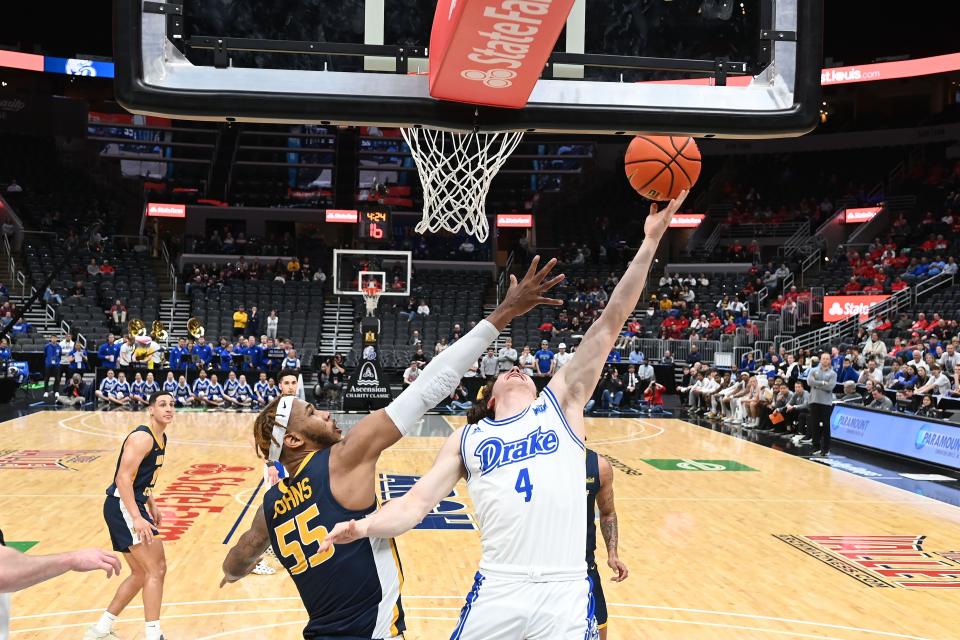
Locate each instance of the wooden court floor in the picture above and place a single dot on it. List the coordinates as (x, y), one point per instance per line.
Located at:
(723, 538)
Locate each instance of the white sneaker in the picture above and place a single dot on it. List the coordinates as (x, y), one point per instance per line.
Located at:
(263, 569)
(56, 394)
(93, 634)
(270, 552)
(46, 394)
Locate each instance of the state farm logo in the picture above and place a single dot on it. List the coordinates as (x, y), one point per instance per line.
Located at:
(494, 78)
(842, 307)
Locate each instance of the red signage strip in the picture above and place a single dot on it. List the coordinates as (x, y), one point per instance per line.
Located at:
(492, 52)
(17, 60)
(159, 210)
(836, 308)
(686, 220)
(519, 220)
(861, 214)
(345, 216)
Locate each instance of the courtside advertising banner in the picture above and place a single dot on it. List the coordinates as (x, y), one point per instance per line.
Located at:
(933, 442)
(492, 52)
(836, 308)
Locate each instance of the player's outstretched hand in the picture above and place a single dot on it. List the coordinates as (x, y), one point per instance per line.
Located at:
(343, 533)
(657, 222)
(93, 559)
(529, 292)
(620, 569)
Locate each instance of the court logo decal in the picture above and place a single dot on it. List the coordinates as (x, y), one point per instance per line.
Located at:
(627, 469)
(684, 464)
(199, 489)
(450, 514)
(22, 545)
(48, 460)
(883, 561)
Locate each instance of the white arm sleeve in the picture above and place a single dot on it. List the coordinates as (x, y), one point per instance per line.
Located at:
(440, 377)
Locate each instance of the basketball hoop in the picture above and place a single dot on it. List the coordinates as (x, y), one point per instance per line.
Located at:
(371, 296)
(456, 170)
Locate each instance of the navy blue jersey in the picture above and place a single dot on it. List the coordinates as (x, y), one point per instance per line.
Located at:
(352, 589)
(593, 488)
(147, 472)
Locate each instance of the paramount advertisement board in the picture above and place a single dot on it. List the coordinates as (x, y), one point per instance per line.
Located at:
(930, 441)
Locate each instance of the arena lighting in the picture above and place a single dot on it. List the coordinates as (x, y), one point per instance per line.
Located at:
(860, 214)
(160, 210)
(343, 216)
(515, 220)
(686, 220)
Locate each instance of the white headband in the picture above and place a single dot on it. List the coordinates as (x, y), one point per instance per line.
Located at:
(284, 407)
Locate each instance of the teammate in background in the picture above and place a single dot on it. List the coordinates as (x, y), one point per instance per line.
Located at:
(132, 517)
(183, 395)
(600, 494)
(170, 384)
(354, 590)
(289, 382)
(106, 387)
(19, 571)
(522, 454)
(120, 395)
(260, 390)
(214, 397)
(137, 396)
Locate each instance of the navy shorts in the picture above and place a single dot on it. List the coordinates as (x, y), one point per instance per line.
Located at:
(120, 523)
(599, 602)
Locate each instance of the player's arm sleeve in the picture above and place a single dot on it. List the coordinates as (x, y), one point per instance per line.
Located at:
(244, 555)
(404, 513)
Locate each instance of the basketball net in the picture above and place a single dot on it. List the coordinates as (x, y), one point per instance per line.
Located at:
(456, 170)
(371, 296)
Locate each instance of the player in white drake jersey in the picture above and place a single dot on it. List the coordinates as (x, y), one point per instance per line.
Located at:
(523, 459)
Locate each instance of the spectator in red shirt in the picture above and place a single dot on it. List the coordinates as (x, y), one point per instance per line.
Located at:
(920, 324)
(852, 286)
(106, 268)
(873, 288)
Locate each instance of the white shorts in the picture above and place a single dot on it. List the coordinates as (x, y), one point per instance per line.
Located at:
(510, 609)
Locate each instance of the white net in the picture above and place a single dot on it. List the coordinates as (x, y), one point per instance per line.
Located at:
(456, 170)
(370, 299)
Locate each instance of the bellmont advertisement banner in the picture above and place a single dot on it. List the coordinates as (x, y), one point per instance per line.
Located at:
(934, 442)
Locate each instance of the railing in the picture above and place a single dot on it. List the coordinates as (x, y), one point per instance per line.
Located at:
(172, 275)
(926, 286)
(503, 282)
(771, 326)
(49, 315)
(714, 238)
(812, 260)
(816, 300)
(762, 296)
(798, 241)
(654, 349)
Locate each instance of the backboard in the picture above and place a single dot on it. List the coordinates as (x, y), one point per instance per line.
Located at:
(354, 270)
(698, 67)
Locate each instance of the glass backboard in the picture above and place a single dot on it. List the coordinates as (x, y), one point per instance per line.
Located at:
(354, 270)
(700, 67)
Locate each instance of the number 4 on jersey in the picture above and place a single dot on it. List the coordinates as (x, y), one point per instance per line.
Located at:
(524, 485)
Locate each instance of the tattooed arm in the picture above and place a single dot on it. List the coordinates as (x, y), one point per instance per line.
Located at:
(608, 520)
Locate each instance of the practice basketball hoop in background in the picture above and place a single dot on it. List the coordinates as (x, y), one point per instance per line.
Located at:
(660, 167)
(456, 170)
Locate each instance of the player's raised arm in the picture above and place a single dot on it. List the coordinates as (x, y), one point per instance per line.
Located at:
(243, 557)
(575, 382)
(383, 428)
(404, 513)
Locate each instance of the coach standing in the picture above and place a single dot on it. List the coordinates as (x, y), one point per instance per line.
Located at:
(822, 380)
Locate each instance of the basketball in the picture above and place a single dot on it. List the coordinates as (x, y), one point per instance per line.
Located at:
(660, 167)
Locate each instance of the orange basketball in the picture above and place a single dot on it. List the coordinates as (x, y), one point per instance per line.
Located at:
(660, 167)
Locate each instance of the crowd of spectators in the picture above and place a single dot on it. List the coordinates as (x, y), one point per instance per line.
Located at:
(213, 276)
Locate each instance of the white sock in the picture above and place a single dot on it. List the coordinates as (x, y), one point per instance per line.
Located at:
(152, 630)
(105, 623)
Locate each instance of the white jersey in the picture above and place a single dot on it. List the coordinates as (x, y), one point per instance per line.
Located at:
(4, 615)
(526, 475)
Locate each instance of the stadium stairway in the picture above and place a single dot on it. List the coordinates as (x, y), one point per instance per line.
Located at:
(336, 334)
(180, 313)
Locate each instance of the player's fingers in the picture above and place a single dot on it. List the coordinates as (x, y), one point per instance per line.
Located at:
(114, 562)
(552, 282)
(654, 208)
(542, 273)
(513, 281)
(554, 302)
(533, 266)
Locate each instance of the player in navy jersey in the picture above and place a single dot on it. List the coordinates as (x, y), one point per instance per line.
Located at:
(600, 495)
(132, 517)
(353, 590)
(522, 454)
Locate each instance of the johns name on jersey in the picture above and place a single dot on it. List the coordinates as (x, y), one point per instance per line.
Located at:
(494, 452)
